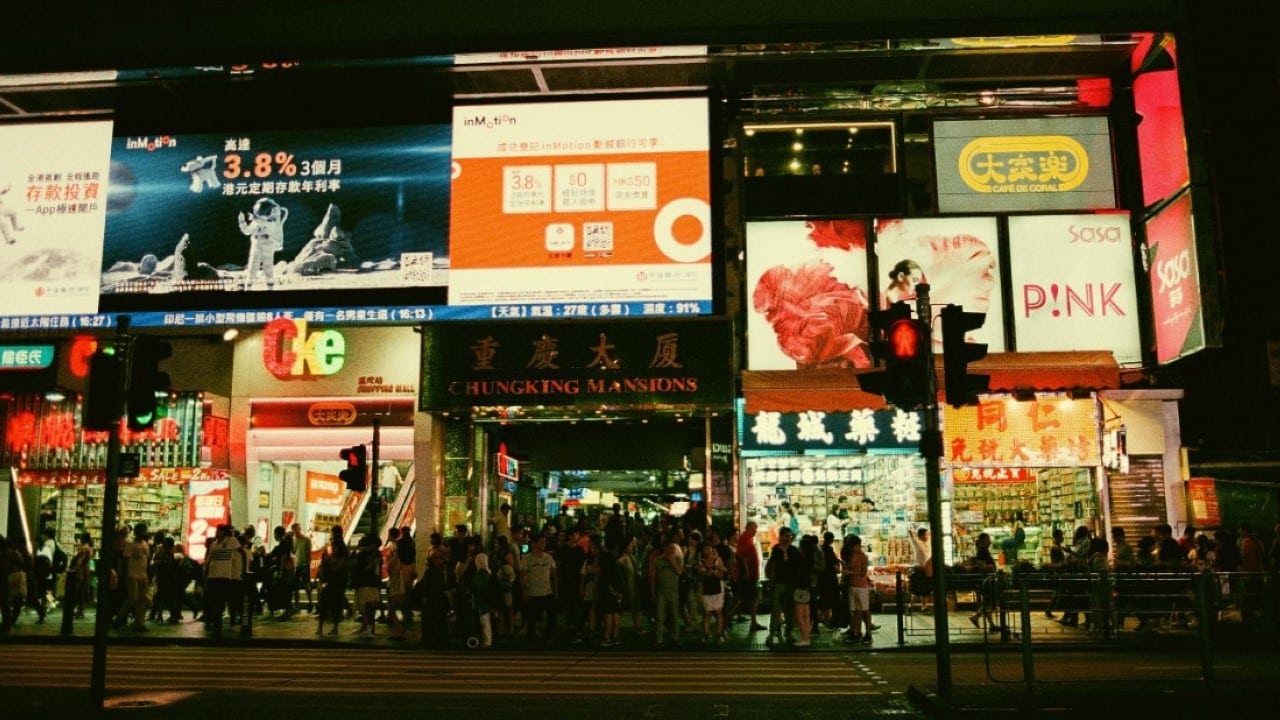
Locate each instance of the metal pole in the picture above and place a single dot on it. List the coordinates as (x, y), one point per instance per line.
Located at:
(931, 449)
(1024, 608)
(374, 500)
(1204, 592)
(106, 548)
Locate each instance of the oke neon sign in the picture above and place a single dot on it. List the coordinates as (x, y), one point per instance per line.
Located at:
(289, 352)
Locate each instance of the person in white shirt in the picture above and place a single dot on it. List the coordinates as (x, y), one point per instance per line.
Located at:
(835, 523)
(921, 550)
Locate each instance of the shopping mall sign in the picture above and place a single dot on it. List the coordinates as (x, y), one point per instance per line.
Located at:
(291, 353)
(1047, 431)
(617, 363)
(817, 430)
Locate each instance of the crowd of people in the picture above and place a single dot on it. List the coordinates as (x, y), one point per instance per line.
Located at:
(1238, 560)
(672, 580)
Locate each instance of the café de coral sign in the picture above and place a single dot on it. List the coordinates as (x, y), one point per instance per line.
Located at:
(999, 431)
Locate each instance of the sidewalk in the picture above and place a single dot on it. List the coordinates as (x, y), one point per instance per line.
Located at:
(917, 634)
(1098, 700)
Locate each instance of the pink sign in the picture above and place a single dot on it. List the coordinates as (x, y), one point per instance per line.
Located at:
(1175, 282)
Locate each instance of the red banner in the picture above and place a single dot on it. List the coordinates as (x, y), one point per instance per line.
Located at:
(208, 506)
(1204, 502)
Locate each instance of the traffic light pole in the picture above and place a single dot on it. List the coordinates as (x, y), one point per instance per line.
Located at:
(373, 480)
(931, 449)
(106, 547)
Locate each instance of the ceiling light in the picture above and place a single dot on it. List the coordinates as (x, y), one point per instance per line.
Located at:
(230, 334)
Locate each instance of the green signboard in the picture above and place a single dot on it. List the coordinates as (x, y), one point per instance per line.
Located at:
(586, 364)
(25, 357)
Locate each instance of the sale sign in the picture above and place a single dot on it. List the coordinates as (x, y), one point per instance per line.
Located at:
(618, 189)
(208, 506)
(1073, 284)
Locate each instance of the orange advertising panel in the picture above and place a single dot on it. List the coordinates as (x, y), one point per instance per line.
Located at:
(1204, 502)
(323, 488)
(1006, 432)
(541, 192)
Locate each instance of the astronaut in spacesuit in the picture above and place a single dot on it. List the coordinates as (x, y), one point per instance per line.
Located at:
(8, 219)
(265, 227)
(201, 170)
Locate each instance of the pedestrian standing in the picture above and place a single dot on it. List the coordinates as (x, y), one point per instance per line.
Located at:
(666, 567)
(333, 582)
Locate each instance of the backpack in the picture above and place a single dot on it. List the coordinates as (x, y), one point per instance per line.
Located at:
(59, 561)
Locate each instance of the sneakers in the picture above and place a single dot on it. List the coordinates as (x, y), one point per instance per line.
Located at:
(866, 639)
(804, 643)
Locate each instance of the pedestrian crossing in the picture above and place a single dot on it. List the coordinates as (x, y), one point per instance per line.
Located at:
(322, 671)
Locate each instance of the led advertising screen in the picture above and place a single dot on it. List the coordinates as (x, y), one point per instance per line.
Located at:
(807, 294)
(582, 208)
(1052, 163)
(53, 203)
(277, 211)
(1073, 284)
(957, 257)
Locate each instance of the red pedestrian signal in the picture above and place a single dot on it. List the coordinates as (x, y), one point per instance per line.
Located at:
(902, 343)
(905, 340)
(356, 473)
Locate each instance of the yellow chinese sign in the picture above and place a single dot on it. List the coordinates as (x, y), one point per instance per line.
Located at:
(1005, 432)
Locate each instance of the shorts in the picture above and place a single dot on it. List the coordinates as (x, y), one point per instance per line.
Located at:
(366, 596)
(713, 602)
(859, 599)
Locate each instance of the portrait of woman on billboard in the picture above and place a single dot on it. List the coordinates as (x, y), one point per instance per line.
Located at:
(958, 259)
(807, 282)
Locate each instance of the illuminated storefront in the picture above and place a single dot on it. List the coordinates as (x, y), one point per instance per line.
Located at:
(300, 393)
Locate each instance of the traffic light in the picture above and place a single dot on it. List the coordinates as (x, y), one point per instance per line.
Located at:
(902, 342)
(106, 383)
(356, 473)
(961, 387)
(145, 380)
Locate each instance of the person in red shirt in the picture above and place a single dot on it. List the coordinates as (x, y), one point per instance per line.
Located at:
(746, 575)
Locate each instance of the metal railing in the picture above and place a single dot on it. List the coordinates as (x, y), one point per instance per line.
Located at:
(1175, 609)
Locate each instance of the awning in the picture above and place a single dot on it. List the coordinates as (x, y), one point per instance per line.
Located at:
(834, 389)
(1074, 369)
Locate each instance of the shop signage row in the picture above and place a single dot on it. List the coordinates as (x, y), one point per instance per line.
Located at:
(1006, 432)
(816, 430)
(146, 476)
(578, 364)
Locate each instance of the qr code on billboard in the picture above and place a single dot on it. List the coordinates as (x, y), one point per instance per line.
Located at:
(417, 268)
(597, 237)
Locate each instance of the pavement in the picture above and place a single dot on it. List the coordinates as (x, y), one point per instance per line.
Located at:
(912, 631)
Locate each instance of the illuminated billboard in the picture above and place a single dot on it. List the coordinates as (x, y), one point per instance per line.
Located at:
(807, 294)
(571, 208)
(1177, 310)
(957, 257)
(1050, 163)
(1073, 284)
(275, 211)
(53, 202)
